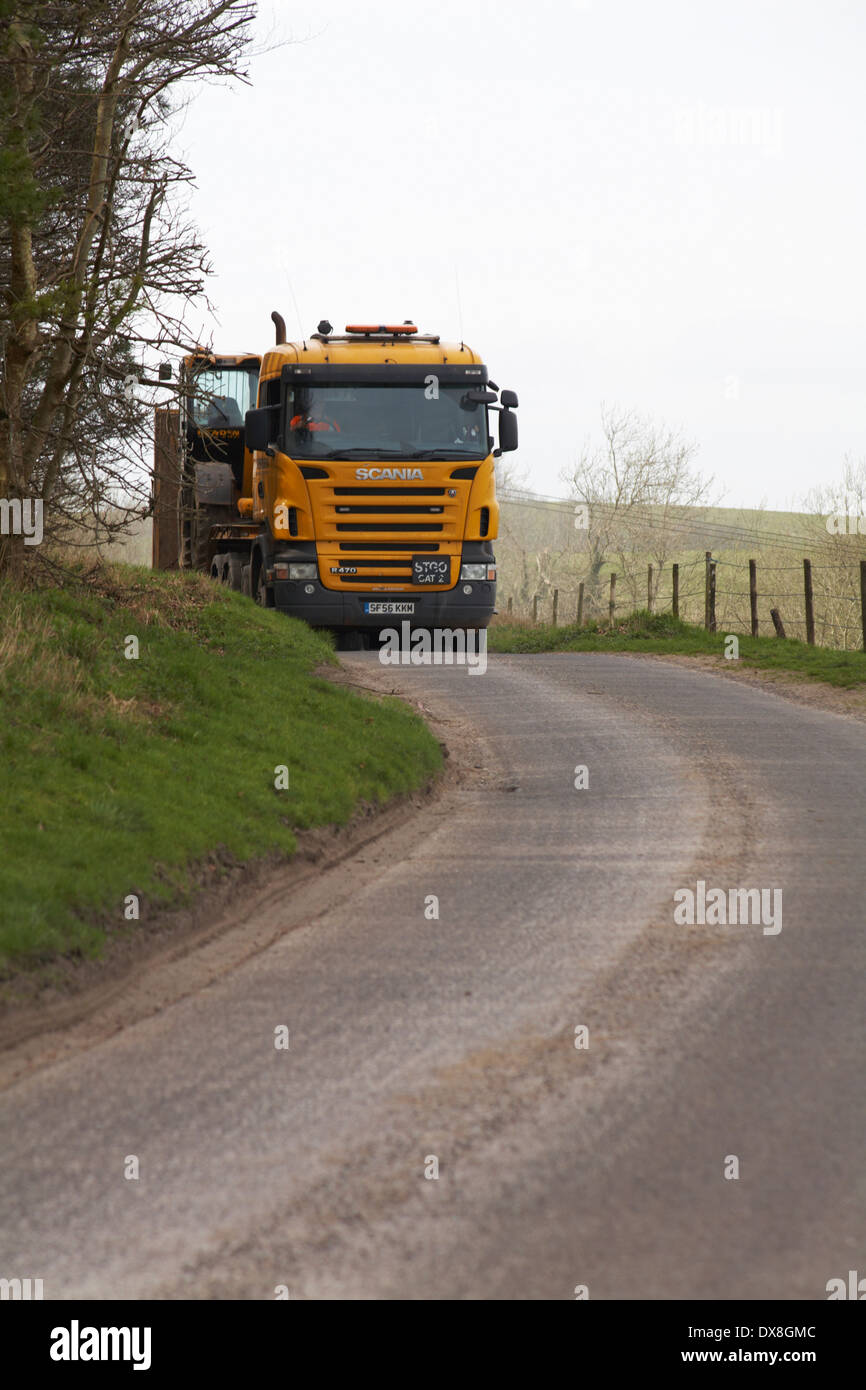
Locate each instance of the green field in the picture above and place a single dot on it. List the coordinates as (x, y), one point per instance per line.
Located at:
(662, 633)
(120, 775)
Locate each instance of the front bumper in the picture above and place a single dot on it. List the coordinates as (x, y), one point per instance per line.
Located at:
(444, 608)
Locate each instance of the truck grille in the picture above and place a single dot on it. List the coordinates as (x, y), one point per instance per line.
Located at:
(376, 528)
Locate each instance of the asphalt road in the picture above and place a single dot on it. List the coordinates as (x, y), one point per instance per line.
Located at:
(412, 1036)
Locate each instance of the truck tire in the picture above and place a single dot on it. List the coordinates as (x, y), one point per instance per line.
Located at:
(235, 571)
(264, 595)
(216, 568)
(194, 527)
(246, 585)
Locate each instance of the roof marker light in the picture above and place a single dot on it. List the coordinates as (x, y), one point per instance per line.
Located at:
(389, 328)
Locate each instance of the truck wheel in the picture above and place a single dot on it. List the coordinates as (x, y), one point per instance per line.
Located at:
(216, 568)
(235, 572)
(195, 522)
(246, 586)
(263, 595)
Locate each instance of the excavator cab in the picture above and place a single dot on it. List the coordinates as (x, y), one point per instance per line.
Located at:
(219, 392)
(216, 393)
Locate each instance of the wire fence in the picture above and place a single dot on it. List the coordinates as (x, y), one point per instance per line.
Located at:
(817, 611)
(564, 560)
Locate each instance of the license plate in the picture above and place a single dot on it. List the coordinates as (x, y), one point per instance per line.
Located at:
(389, 609)
(431, 569)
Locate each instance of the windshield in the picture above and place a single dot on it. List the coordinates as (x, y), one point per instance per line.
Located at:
(385, 421)
(223, 395)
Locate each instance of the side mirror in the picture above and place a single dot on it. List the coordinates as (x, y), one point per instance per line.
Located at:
(509, 400)
(165, 371)
(507, 430)
(477, 396)
(260, 428)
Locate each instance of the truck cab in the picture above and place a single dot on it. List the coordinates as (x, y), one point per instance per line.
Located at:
(372, 478)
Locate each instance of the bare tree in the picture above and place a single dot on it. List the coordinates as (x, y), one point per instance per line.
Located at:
(843, 502)
(638, 490)
(96, 252)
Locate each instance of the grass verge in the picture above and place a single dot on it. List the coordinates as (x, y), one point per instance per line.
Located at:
(662, 633)
(120, 773)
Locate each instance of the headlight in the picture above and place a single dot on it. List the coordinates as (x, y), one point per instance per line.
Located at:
(474, 571)
(302, 571)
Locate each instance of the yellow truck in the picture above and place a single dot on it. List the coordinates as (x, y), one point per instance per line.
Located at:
(368, 483)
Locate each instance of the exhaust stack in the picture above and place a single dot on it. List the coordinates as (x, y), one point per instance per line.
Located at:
(280, 324)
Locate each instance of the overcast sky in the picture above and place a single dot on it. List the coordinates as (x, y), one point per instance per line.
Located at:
(660, 205)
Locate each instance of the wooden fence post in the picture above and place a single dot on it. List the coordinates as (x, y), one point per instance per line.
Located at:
(555, 605)
(863, 600)
(753, 595)
(708, 560)
(535, 608)
(675, 593)
(777, 622)
(510, 603)
(649, 588)
(711, 597)
(580, 604)
(612, 604)
(810, 610)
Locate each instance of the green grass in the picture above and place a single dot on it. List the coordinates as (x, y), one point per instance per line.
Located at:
(120, 775)
(661, 632)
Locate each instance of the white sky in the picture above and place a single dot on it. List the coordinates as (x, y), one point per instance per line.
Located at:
(659, 204)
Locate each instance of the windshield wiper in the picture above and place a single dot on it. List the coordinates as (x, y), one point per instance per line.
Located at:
(367, 451)
(407, 454)
(457, 455)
